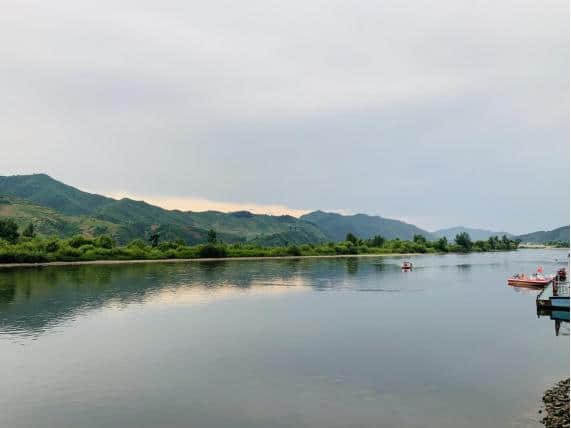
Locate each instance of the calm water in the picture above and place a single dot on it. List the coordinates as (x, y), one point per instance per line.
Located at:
(290, 343)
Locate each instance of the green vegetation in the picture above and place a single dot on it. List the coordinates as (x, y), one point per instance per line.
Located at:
(463, 241)
(56, 209)
(557, 244)
(336, 226)
(154, 240)
(475, 234)
(29, 231)
(9, 231)
(41, 189)
(42, 208)
(20, 248)
(561, 234)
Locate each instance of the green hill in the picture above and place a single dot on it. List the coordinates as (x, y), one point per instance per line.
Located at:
(336, 226)
(49, 222)
(41, 189)
(58, 209)
(294, 236)
(540, 237)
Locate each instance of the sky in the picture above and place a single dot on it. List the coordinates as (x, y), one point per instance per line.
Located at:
(437, 113)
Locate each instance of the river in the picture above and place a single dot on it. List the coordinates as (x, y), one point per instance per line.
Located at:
(347, 342)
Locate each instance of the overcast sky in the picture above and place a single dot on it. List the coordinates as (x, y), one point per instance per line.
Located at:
(440, 113)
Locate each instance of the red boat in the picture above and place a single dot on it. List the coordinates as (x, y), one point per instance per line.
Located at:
(527, 280)
(406, 265)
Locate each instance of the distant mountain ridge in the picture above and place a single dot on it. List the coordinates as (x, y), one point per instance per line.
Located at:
(58, 209)
(62, 210)
(540, 237)
(336, 226)
(475, 234)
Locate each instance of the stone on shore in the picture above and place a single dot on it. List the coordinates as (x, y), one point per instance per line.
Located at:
(556, 401)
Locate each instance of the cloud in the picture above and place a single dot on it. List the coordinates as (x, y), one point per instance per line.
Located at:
(405, 109)
(201, 204)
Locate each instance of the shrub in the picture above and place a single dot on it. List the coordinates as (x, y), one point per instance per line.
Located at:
(52, 245)
(29, 231)
(340, 249)
(79, 240)
(85, 248)
(441, 244)
(351, 238)
(186, 253)
(294, 250)
(165, 246)
(104, 242)
(352, 249)
(67, 254)
(209, 251)
(136, 252)
(463, 240)
(9, 230)
(22, 256)
(137, 243)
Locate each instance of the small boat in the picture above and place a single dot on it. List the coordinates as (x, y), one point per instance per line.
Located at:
(536, 280)
(406, 265)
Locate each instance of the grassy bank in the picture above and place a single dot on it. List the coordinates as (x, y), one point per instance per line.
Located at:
(27, 249)
(197, 260)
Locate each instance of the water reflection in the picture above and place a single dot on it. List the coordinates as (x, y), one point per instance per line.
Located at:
(33, 300)
(352, 264)
(560, 320)
(559, 317)
(527, 290)
(326, 343)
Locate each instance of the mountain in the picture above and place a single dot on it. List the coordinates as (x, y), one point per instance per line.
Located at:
(58, 209)
(292, 237)
(475, 234)
(41, 189)
(49, 222)
(336, 226)
(540, 237)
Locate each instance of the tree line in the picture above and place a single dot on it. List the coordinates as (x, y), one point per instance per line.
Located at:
(26, 247)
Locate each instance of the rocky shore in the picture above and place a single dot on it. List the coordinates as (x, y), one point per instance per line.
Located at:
(556, 402)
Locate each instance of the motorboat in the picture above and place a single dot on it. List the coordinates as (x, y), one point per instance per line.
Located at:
(536, 280)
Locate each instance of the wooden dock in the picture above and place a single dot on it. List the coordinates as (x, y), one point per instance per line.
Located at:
(554, 296)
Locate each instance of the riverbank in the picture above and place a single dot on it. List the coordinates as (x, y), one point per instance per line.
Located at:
(41, 251)
(540, 247)
(556, 402)
(209, 259)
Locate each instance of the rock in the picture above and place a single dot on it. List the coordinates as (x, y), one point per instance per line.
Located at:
(556, 409)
